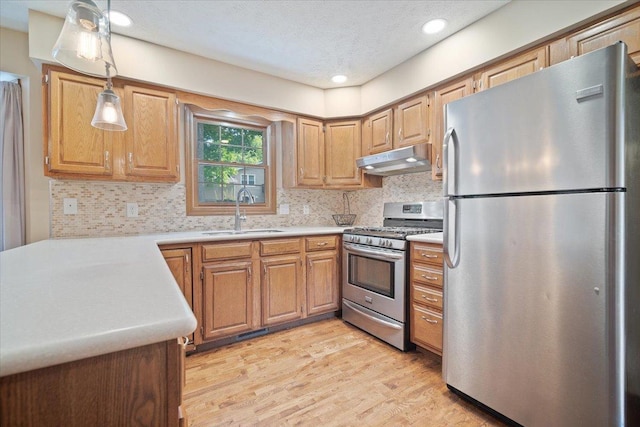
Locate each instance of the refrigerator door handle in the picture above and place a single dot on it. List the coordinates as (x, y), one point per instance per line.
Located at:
(452, 261)
(450, 175)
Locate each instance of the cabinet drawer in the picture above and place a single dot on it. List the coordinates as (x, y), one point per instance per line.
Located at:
(233, 250)
(427, 327)
(427, 296)
(426, 252)
(279, 246)
(424, 274)
(321, 243)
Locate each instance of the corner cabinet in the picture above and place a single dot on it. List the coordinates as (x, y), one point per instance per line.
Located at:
(377, 133)
(178, 260)
(323, 274)
(323, 155)
(147, 151)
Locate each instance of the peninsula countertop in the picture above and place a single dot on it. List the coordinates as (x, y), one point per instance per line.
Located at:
(70, 299)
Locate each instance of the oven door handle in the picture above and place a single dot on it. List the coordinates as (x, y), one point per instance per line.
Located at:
(384, 256)
(368, 316)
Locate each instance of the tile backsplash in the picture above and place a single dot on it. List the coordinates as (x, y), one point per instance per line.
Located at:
(162, 207)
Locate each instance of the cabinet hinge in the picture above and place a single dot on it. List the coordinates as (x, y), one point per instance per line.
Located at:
(178, 168)
(186, 258)
(45, 79)
(202, 331)
(46, 160)
(428, 101)
(202, 275)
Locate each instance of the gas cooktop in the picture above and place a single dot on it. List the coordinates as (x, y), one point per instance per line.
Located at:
(390, 232)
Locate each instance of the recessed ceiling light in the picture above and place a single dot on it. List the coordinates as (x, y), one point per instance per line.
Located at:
(434, 26)
(119, 19)
(339, 78)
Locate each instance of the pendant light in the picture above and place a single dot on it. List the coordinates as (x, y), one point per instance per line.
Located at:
(108, 115)
(84, 44)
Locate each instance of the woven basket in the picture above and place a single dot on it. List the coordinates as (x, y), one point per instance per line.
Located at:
(343, 220)
(346, 218)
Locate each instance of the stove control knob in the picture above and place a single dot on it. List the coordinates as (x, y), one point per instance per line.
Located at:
(388, 243)
(356, 239)
(369, 240)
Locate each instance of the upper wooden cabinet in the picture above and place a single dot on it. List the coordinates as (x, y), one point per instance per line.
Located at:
(513, 68)
(310, 152)
(73, 149)
(73, 145)
(443, 96)
(377, 132)
(342, 148)
(324, 156)
(150, 141)
(412, 122)
(623, 27)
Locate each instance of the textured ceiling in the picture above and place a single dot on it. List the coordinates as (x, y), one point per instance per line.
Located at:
(303, 41)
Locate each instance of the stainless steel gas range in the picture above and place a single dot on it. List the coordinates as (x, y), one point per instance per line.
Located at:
(375, 270)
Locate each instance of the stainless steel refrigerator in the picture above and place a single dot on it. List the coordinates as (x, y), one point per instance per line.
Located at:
(542, 244)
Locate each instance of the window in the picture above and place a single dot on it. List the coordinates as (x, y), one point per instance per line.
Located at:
(228, 153)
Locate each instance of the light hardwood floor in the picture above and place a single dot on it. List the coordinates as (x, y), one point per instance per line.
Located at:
(322, 374)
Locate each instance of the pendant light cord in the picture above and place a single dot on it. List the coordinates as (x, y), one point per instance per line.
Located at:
(106, 64)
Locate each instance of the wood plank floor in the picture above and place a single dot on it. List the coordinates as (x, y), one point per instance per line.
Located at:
(322, 374)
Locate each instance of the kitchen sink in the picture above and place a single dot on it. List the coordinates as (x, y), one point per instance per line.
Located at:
(232, 232)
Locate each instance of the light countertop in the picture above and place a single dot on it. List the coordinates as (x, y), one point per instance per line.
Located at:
(426, 238)
(70, 299)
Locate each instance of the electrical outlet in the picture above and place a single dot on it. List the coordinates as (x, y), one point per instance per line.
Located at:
(305, 209)
(70, 206)
(132, 210)
(284, 209)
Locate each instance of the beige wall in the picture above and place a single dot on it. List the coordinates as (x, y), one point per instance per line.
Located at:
(14, 58)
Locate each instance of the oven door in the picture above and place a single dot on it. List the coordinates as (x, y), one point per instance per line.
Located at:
(375, 278)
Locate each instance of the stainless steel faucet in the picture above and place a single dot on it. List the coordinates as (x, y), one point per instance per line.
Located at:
(237, 226)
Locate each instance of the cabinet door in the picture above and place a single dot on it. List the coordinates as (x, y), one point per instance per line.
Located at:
(322, 282)
(514, 68)
(151, 142)
(281, 289)
(379, 133)
(624, 27)
(74, 146)
(227, 299)
(443, 96)
(342, 143)
(310, 152)
(412, 125)
(179, 262)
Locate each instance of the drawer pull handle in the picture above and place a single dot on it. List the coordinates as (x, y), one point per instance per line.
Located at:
(430, 299)
(429, 320)
(424, 276)
(428, 255)
(322, 244)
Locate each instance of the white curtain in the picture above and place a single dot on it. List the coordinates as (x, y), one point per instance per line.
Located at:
(12, 209)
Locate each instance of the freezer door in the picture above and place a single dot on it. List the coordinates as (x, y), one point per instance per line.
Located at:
(530, 326)
(560, 128)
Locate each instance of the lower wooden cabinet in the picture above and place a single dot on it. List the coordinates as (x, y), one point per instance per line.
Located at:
(322, 282)
(227, 299)
(246, 285)
(282, 289)
(426, 317)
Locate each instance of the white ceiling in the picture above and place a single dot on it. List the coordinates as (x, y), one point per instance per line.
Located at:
(304, 41)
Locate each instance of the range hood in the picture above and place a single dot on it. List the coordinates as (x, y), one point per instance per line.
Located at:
(416, 158)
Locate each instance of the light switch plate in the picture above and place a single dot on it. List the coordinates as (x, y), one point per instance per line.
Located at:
(305, 209)
(70, 206)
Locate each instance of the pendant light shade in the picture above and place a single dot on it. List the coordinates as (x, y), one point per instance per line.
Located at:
(84, 44)
(108, 115)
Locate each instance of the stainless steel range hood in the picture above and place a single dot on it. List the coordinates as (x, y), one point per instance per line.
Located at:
(416, 158)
